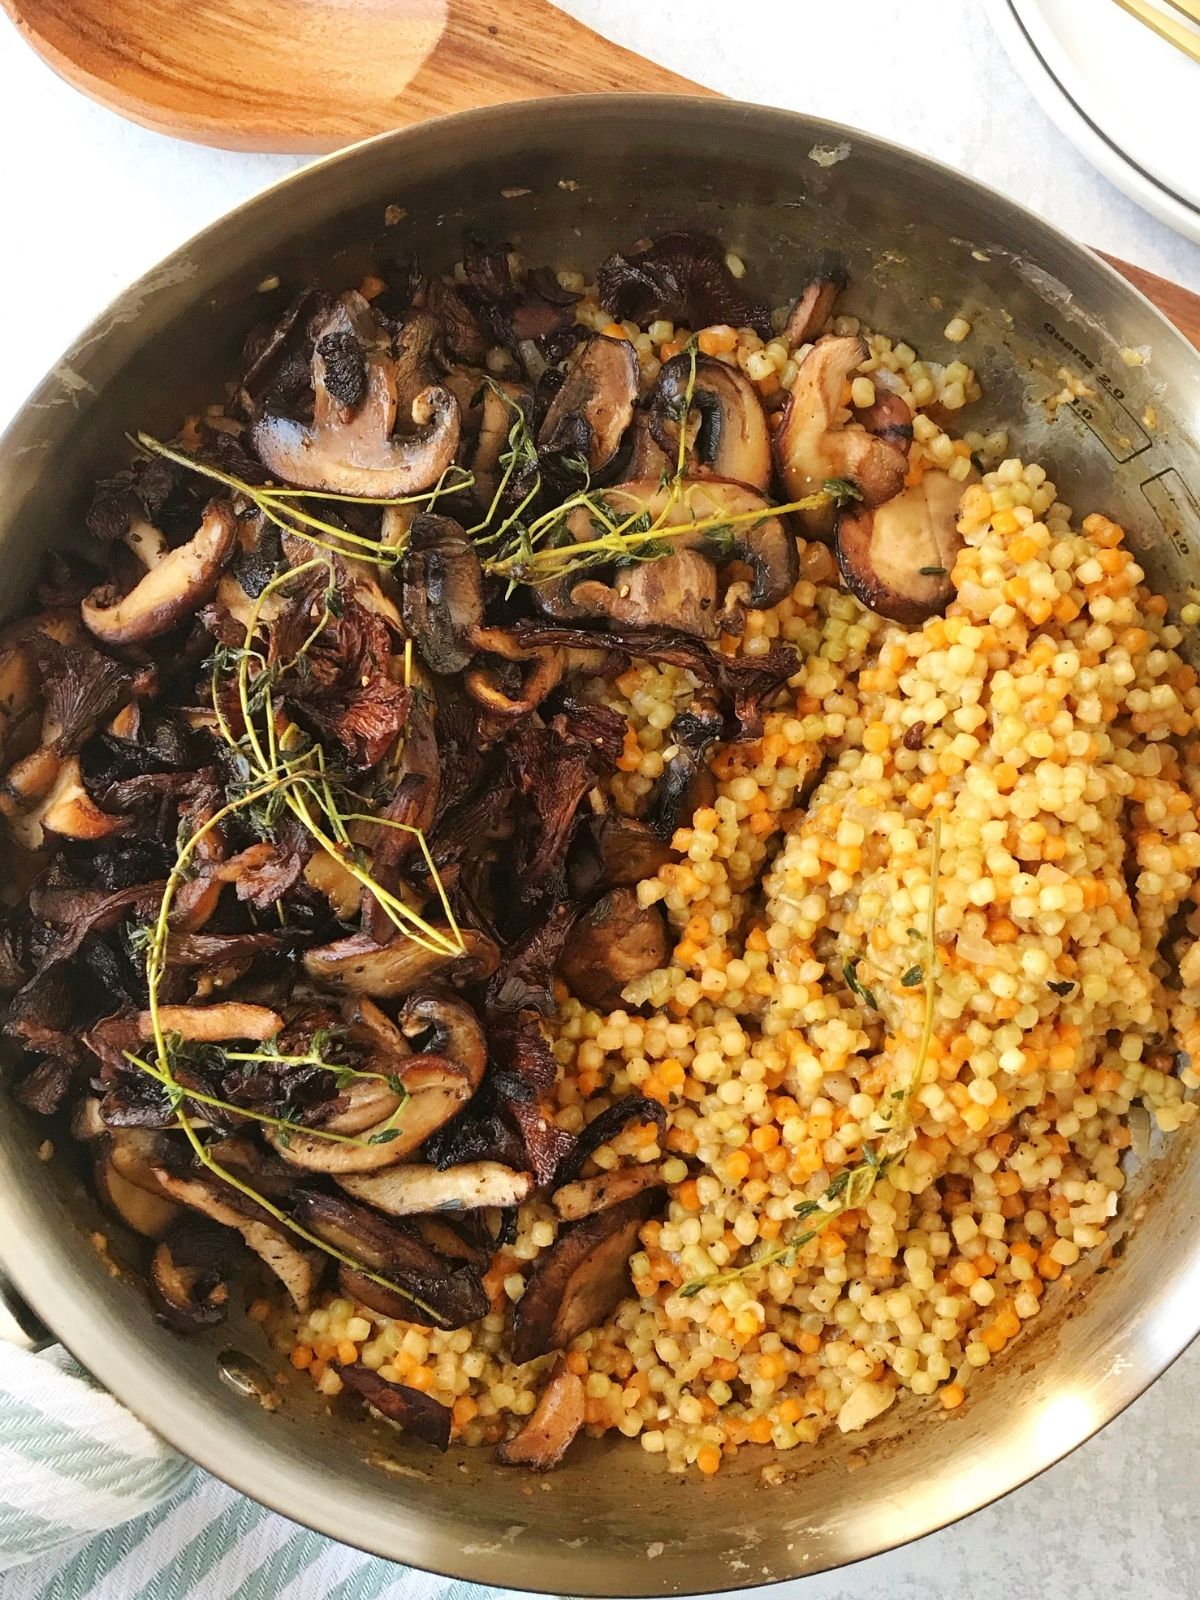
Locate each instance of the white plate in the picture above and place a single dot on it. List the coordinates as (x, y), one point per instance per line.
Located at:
(1124, 97)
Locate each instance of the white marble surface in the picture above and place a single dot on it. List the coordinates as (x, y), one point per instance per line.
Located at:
(90, 201)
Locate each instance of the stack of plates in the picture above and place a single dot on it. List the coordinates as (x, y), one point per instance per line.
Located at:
(1124, 97)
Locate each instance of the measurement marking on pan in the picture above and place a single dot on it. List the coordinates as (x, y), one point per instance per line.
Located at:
(1104, 410)
(1177, 508)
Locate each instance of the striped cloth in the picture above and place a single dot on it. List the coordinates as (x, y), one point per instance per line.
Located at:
(93, 1506)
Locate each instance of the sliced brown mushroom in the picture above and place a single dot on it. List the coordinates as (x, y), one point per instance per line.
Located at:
(437, 1090)
(812, 310)
(727, 428)
(415, 1190)
(614, 942)
(190, 1276)
(448, 1027)
(331, 877)
(231, 1019)
(420, 1286)
(349, 447)
(579, 1279)
(416, 1412)
(443, 592)
(298, 1270)
(590, 413)
(811, 446)
(357, 965)
(898, 557)
(553, 1423)
(173, 589)
(585, 1196)
(147, 1213)
(730, 534)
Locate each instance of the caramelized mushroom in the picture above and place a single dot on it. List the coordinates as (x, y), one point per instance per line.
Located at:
(413, 1191)
(614, 852)
(298, 1270)
(728, 435)
(685, 591)
(148, 1212)
(449, 1028)
(613, 943)
(443, 592)
(590, 413)
(542, 670)
(357, 965)
(812, 446)
(579, 1279)
(415, 1411)
(421, 1286)
(585, 1196)
(65, 808)
(189, 1276)
(812, 310)
(898, 557)
(437, 1090)
(545, 1437)
(349, 448)
(172, 591)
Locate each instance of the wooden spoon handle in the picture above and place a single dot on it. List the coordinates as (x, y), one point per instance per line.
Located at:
(491, 51)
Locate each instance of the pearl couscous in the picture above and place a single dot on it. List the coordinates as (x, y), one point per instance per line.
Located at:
(917, 997)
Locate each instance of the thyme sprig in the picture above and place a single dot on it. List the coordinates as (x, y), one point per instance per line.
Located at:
(278, 504)
(853, 1186)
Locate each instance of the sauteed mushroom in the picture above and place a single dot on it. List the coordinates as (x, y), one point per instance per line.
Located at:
(190, 1276)
(357, 965)
(443, 592)
(174, 588)
(416, 1190)
(349, 447)
(590, 413)
(728, 435)
(558, 1416)
(414, 1410)
(613, 943)
(578, 1281)
(813, 309)
(765, 546)
(812, 447)
(898, 557)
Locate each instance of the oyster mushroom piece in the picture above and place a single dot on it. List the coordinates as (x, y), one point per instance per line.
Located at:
(542, 670)
(729, 433)
(585, 1196)
(553, 1423)
(349, 448)
(357, 965)
(443, 592)
(614, 942)
(414, 1410)
(189, 1276)
(173, 589)
(418, 1190)
(811, 446)
(298, 1270)
(437, 1090)
(812, 309)
(231, 1019)
(421, 1286)
(580, 1279)
(898, 557)
(590, 413)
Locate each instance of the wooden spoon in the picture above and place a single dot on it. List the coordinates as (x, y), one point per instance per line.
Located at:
(313, 75)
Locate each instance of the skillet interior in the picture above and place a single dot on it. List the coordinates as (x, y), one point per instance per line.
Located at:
(570, 180)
